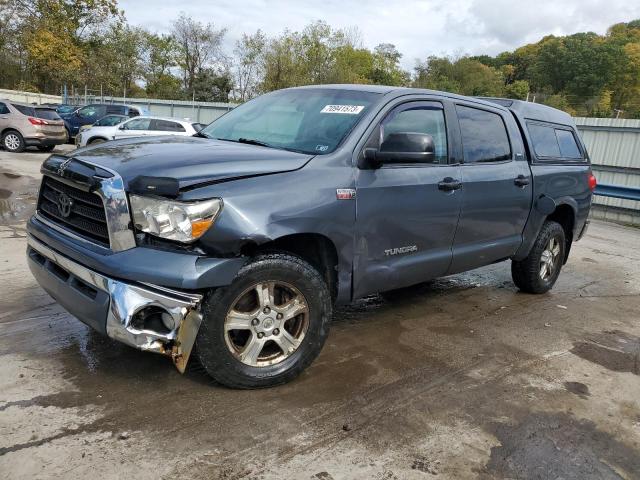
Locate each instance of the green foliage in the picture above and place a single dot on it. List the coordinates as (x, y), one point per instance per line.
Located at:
(45, 44)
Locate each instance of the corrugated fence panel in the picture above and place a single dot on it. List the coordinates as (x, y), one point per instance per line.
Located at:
(614, 148)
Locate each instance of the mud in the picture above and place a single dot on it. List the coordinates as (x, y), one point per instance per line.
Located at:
(461, 378)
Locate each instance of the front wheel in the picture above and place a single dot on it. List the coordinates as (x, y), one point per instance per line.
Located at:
(538, 272)
(267, 326)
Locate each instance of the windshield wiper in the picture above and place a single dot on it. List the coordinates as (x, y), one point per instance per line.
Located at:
(251, 141)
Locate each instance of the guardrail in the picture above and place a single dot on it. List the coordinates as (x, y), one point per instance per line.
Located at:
(618, 191)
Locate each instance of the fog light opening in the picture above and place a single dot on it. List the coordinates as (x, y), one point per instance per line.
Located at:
(155, 319)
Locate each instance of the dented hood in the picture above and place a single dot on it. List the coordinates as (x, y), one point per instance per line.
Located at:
(190, 160)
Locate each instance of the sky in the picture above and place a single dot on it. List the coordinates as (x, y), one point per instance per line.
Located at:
(417, 28)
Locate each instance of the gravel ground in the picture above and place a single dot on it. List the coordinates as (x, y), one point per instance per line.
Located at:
(463, 377)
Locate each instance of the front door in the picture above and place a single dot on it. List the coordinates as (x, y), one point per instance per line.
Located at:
(138, 127)
(406, 213)
(496, 193)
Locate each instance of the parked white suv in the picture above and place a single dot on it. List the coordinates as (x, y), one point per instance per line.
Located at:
(135, 127)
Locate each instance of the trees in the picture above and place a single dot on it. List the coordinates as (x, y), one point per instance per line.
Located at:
(199, 47)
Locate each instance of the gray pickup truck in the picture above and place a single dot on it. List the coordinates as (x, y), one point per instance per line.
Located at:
(236, 243)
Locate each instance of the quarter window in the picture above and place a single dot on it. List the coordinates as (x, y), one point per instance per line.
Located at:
(484, 135)
(568, 146)
(3, 109)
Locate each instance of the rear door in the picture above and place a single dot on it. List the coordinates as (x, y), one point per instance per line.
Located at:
(406, 216)
(166, 127)
(497, 190)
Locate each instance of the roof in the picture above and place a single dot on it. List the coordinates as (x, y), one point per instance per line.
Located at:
(533, 111)
(398, 91)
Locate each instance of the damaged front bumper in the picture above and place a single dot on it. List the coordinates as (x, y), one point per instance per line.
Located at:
(144, 316)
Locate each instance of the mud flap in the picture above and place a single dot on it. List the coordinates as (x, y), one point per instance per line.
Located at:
(186, 338)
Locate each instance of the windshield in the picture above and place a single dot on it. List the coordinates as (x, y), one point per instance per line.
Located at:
(110, 121)
(305, 120)
(67, 108)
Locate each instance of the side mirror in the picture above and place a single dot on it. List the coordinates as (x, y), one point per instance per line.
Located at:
(404, 147)
(121, 127)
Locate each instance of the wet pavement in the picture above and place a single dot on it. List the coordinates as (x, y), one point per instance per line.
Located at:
(463, 377)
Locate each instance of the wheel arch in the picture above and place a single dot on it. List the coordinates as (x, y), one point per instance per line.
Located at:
(565, 214)
(317, 249)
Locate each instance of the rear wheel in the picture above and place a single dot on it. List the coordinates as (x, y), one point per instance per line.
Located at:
(267, 326)
(46, 148)
(538, 272)
(12, 141)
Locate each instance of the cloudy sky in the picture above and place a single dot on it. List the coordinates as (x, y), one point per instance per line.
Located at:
(417, 28)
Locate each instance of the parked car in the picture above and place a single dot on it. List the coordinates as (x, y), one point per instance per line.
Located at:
(135, 127)
(241, 239)
(23, 125)
(90, 114)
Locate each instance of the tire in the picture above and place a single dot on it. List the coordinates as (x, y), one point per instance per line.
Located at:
(223, 351)
(96, 141)
(13, 142)
(538, 272)
(46, 148)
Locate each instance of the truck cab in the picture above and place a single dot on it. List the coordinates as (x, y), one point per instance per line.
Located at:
(240, 239)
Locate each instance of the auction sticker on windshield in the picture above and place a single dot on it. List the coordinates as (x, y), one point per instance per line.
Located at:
(348, 109)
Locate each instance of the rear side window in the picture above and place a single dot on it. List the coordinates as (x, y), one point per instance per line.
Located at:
(568, 146)
(553, 143)
(29, 111)
(167, 126)
(4, 109)
(484, 135)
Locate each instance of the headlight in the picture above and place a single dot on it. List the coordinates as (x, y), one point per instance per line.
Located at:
(179, 221)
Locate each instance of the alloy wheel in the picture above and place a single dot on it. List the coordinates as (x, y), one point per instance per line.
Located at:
(12, 141)
(549, 259)
(266, 323)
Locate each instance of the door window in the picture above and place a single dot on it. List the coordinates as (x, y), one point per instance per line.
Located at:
(167, 126)
(417, 117)
(484, 135)
(138, 124)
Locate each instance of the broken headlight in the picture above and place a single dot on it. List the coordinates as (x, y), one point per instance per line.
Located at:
(180, 221)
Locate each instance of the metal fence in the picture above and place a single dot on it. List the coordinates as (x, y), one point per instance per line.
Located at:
(614, 147)
(202, 112)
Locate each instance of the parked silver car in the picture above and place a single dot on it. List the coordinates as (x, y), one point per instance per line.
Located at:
(135, 127)
(23, 125)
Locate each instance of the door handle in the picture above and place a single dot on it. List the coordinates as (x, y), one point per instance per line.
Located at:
(521, 181)
(449, 184)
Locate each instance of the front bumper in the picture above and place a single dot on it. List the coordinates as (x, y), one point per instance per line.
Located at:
(117, 308)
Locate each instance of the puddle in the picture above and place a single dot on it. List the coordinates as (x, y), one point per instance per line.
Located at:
(18, 195)
(4, 193)
(560, 446)
(614, 350)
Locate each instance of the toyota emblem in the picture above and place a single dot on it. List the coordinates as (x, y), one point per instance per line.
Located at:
(64, 205)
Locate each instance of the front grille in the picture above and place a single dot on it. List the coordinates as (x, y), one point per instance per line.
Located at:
(86, 215)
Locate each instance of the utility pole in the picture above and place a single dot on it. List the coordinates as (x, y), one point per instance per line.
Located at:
(85, 94)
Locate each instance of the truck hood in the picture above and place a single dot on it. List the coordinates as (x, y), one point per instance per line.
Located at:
(190, 160)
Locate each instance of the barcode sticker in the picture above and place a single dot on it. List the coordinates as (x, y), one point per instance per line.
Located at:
(348, 109)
